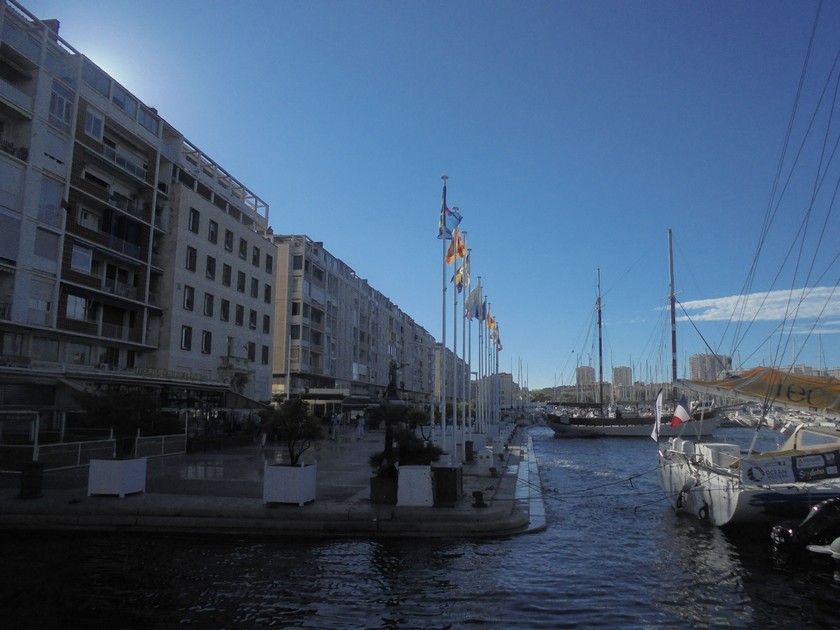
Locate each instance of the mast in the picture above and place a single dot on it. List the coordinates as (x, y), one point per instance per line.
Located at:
(600, 351)
(673, 302)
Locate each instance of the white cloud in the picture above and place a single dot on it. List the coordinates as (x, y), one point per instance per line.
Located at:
(817, 303)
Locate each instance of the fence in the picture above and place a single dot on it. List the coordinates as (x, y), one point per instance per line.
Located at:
(74, 454)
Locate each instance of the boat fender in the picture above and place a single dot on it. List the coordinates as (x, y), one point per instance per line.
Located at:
(703, 512)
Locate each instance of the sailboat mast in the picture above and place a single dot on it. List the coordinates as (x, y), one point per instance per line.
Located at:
(673, 301)
(600, 351)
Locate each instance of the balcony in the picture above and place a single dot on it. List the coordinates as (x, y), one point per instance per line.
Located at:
(125, 162)
(121, 289)
(10, 147)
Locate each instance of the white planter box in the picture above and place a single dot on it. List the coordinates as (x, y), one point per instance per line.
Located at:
(117, 476)
(415, 486)
(289, 484)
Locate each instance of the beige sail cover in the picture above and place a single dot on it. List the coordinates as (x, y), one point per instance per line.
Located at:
(777, 387)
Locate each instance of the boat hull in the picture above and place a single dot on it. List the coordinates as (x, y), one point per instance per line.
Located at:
(628, 427)
(711, 482)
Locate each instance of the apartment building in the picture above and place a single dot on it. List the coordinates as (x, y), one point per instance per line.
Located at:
(336, 336)
(128, 257)
(708, 367)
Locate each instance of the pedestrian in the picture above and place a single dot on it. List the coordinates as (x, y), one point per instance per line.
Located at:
(360, 426)
(335, 421)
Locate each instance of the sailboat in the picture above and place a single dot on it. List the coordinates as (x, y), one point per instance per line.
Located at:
(728, 485)
(704, 420)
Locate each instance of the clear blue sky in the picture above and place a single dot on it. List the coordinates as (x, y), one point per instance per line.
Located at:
(574, 134)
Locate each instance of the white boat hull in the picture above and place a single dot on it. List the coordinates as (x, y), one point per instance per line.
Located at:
(712, 482)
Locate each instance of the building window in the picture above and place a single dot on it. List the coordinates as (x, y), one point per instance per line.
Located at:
(240, 281)
(208, 304)
(124, 101)
(265, 355)
(186, 337)
(192, 256)
(252, 319)
(148, 119)
(269, 263)
(81, 259)
(94, 123)
(192, 224)
(240, 315)
(294, 331)
(76, 308)
(243, 249)
(295, 309)
(61, 106)
(228, 241)
(224, 311)
(189, 297)
(226, 274)
(255, 256)
(212, 231)
(267, 294)
(297, 262)
(206, 342)
(255, 288)
(211, 267)
(252, 351)
(267, 324)
(97, 79)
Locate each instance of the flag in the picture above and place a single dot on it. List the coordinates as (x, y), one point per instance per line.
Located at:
(491, 323)
(681, 414)
(498, 338)
(448, 218)
(655, 433)
(472, 305)
(456, 247)
(461, 279)
(482, 313)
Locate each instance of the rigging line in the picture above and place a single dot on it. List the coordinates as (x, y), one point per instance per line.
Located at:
(770, 212)
(612, 483)
(819, 179)
(739, 335)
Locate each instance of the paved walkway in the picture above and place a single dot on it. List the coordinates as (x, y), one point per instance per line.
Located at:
(221, 492)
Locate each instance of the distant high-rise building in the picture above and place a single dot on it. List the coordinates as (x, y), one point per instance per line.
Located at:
(708, 367)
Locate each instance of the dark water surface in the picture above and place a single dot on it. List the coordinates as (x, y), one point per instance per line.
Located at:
(613, 555)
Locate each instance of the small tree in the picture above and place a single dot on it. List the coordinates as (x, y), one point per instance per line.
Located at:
(410, 449)
(291, 423)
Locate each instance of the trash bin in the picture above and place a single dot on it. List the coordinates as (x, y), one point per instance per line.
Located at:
(448, 484)
(31, 475)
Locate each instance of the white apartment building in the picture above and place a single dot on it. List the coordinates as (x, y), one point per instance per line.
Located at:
(128, 257)
(335, 336)
(708, 367)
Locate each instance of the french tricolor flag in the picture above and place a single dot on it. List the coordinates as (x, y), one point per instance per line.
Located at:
(681, 414)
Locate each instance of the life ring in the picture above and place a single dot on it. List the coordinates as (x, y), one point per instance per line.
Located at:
(703, 512)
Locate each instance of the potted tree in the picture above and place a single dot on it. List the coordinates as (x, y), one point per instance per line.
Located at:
(291, 481)
(127, 411)
(403, 467)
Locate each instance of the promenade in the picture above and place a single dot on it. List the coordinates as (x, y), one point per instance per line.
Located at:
(220, 492)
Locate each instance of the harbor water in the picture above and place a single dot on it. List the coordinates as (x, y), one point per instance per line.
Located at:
(613, 555)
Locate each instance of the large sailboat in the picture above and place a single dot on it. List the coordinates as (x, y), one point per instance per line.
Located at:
(732, 484)
(703, 419)
(721, 483)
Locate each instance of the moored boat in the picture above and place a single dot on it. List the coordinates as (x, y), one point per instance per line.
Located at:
(721, 484)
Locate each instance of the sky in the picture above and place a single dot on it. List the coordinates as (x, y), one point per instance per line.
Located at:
(574, 136)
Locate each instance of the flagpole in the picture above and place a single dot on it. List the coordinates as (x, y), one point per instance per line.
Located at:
(442, 402)
(454, 350)
(465, 335)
